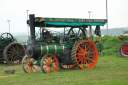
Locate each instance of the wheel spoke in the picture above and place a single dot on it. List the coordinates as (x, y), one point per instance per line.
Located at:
(31, 69)
(79, 54)
(20, 50)
(91, 56)
(53, 60)
(13, 48)
(26, 60)
(50, 57)
(89, 50)
(81, 37)
(79, 31)
(85, 47)
(72, 38)
(8, 57)
(88, 46)
(73, 32)
(45, 68)
(31, 59)
(91, 59)
(83, 64)
(44, 64)
(11, 60)
(80, 59)
(28, 70)
(9, 51)
(87, 64)
(54, 67)
(47, 59)
(48, 71)
(80, 48)
(51, 69)
(92, 52)
(26, 67)
(25, 63)
(36, 68)
(54, 63)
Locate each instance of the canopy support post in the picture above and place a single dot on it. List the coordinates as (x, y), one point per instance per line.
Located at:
(90, 33)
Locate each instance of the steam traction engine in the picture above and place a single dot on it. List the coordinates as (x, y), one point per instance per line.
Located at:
(67, 50)
(10, 51)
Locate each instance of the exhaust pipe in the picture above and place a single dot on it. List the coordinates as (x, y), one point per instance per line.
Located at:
(32, 27)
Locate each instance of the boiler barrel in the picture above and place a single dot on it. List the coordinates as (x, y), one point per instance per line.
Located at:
(51, 48)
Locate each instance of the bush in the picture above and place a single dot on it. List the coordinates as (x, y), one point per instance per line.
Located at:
(111, 45)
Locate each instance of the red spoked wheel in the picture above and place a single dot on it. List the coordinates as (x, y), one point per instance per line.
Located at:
(29, 65)
(67, 66)
(84, 54)
(49, 63)
(14, 53)
(123, 49)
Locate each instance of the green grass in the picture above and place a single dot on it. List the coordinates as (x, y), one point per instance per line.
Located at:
(110, 70)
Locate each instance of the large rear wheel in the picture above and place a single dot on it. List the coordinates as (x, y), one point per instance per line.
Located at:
(84, 54)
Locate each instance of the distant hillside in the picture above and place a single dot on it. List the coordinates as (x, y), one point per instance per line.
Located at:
(112, 32)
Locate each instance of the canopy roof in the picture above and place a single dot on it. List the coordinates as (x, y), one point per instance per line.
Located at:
(67, 22)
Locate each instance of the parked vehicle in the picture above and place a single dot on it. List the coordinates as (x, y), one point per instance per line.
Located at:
(69, 49)
(10, 51)
(123, 48)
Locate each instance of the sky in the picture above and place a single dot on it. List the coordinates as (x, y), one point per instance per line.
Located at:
(15, 11)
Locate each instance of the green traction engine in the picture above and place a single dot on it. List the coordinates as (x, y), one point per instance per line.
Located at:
(70, 49)
(10, 51)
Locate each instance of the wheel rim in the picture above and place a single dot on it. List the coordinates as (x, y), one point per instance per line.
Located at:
(125, 49)
(15, 53)
(49, 64)
(74, 35)
(86, 54)
(29, 65)
(67, 66)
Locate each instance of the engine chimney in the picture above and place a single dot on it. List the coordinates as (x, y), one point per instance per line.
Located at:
(32, 27)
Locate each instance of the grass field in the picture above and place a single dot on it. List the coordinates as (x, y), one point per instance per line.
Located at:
(110, 70)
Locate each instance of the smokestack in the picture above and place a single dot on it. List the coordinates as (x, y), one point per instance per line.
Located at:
(32, 27)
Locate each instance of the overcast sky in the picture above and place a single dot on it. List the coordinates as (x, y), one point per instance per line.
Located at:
(15, 11)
